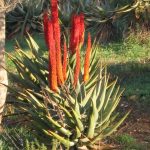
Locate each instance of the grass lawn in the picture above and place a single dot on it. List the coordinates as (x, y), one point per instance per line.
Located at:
(130, 61)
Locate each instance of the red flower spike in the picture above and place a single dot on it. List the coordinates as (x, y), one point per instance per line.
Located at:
(77, 67)
(45, 23)
(72, 33)
(52, 58)
(54, 10)
(82, 29)
(75, 32)
(65, 62)
(87, 59)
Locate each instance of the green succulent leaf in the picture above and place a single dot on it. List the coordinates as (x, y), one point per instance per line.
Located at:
(66, 142)
(93, 118)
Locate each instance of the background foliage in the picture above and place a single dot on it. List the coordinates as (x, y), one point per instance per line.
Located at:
(107, 19)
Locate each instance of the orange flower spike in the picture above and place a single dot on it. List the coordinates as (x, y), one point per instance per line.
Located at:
(58, 58)
(87, 59)
(55, 19)
(77, 67)
(65, 62)
(52, 59)
(45, 24)
(56, 28)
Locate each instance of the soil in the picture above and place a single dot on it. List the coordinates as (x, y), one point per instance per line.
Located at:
(137, 124)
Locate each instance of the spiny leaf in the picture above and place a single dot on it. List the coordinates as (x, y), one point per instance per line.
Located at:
(111, 130)
(93, 118)
(66, 142)
(58, 127)
(78, 120)
(110, 89)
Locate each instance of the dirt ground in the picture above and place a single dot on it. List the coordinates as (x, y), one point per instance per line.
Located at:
(137, 124)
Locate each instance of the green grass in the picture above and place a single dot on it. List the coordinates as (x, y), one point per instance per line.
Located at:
(10, 44)
(10, 47)
(130, 61)
(125, 139)
(134, 77)
(132, 49)
(16, 138)
(127, 142)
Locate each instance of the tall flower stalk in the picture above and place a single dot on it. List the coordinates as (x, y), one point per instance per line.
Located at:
(54, 53)
(54, 44)
(65, 62)
(76, 42)
(87, 59)
(77, 68)
(52, 58)
(45, 23)
(82, 28)
(56, 33)
(75, 32)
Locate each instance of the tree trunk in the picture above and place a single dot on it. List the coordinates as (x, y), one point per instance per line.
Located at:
(3, 73)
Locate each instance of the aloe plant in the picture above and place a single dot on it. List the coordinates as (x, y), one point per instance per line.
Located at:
(71, 106)
(74, 117)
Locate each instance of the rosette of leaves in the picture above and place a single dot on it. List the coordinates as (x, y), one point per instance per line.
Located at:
(72, 117)
(26, 17)
(107, 18)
